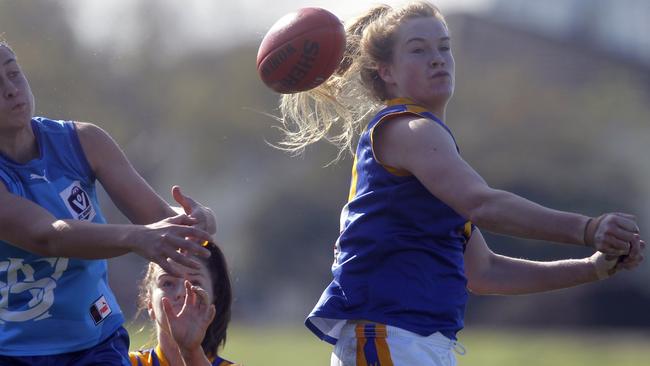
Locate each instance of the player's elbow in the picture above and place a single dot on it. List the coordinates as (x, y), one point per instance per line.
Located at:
(483, 284)
(479, 287)
(477, 282)
(483, 274)
(481, 207)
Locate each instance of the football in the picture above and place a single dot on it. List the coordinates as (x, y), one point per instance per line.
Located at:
(301, 50)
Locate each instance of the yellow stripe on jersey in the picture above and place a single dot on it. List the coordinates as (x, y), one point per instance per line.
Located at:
(133, 357)
(468, 230)
(411, 106)
(149, 357)
(161, 356)
(157, 358)
(353, 183)
(144, 357)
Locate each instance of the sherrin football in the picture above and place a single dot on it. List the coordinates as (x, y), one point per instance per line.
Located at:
(301, 50)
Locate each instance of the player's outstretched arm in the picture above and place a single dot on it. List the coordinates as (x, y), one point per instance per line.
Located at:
(427, 151)
(28, 226)
(490, 273)
(127, 189)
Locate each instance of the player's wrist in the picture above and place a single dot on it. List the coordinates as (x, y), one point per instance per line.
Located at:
(130, 237)
(589, 231)
(604, 265)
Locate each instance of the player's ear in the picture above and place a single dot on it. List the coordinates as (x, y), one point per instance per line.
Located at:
(152, 314)
(385, 73)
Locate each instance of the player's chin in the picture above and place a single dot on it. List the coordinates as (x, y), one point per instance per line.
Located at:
(442, 88)
(438, 96)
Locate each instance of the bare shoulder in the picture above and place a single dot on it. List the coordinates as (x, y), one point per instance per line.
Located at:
(91, 133)
(398, 140)
(411, 128)
(97, 144)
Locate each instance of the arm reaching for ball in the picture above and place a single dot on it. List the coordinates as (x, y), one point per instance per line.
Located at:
(489, 273)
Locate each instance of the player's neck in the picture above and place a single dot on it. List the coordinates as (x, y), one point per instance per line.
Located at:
(20, 145)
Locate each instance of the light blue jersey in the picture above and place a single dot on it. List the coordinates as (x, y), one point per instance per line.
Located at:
(54, 305)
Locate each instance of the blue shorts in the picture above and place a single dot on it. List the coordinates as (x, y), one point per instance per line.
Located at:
(114, 351)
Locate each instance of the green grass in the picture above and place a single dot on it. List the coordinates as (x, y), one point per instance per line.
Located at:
(269, 346)
(529, 348)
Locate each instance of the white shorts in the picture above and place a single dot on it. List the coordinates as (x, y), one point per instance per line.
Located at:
(364, 344)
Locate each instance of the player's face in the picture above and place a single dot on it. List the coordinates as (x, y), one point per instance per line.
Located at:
(422, 68)
(173, 288)
(16, 98)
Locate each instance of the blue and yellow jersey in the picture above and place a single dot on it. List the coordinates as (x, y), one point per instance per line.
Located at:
(42, 298)
(155, 357)
(399, 256)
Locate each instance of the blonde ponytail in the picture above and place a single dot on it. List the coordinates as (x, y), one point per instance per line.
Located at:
(337, 110)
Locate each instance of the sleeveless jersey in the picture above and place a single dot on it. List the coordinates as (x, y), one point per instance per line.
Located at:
(155, 357)
(399, 256)
(54, 305)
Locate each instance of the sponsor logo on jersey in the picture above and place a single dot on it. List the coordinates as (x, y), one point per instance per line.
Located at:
(100, 309)
(78, 202)
(34, 176)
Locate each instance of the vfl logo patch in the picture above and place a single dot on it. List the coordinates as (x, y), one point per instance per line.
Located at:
(78, 202)
(100, 310)
(27, 288)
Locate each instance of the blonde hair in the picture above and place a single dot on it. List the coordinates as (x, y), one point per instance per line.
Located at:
(5, 44)
(337, 109)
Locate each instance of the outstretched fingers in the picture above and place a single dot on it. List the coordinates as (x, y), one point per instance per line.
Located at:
(167, 314)
(181, 219)
(204, 215)
(171, 240)
(179, 251)
(186, 202)
(189, 297)
(189, 239)
(201, 296)
(196, 304)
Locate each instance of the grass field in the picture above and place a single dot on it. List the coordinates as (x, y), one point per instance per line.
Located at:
(296, 346)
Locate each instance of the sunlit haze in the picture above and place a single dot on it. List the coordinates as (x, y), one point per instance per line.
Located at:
(207, 23)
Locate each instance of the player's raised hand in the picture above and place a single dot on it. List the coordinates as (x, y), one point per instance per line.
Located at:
(188, 327)
(169, 240)
(205, 217)
(614, 234)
